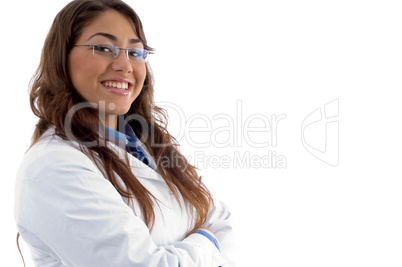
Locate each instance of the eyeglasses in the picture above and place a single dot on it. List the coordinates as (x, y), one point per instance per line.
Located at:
(138, 55)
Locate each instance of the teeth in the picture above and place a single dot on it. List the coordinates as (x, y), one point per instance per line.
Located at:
(118, 85)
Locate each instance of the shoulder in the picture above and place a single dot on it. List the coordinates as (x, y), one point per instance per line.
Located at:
(53, 171)
(58, 186)
(52, 152)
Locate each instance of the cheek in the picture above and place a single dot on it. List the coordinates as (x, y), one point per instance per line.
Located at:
(140, 73)
(83, 73)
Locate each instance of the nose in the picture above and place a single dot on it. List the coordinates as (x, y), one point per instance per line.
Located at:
(121, 63)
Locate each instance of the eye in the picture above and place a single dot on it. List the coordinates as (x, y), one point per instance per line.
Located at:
(138, 54)
(135, 52)
(103, 49)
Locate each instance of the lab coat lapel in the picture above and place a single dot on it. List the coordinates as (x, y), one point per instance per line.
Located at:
(142, 170)
(139, 168)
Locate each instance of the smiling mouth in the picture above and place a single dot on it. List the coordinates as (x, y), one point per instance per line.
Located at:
(116, 85)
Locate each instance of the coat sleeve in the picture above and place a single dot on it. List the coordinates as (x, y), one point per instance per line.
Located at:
(63, 201)
(220, 222)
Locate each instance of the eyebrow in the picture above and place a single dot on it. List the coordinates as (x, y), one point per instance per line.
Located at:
(114, 38)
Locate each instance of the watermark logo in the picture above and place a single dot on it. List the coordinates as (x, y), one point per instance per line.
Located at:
(243, 140)
(236, 132)
(225, 130)
(320, 133)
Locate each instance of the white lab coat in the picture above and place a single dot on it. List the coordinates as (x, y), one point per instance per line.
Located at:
(70, 215)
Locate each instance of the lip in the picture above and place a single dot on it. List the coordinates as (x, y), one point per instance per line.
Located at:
(118, 91)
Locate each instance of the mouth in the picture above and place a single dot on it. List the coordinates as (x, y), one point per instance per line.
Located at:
(120, 87)
(116, 85)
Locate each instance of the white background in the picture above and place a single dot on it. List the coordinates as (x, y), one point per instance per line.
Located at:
(274, 57)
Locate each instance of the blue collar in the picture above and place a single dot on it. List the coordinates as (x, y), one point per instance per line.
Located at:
(126, 139)
(122, 138)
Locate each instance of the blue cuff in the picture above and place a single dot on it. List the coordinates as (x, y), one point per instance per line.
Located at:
(210, 237)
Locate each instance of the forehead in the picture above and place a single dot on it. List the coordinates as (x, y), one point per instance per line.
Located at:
(111, 22)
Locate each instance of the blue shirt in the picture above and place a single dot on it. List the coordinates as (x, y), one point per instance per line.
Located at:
(127, 139)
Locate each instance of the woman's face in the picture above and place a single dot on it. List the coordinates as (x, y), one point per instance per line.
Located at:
(111, 84)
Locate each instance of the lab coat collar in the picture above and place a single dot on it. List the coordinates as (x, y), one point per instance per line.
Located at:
(138, 168)
(142, 170)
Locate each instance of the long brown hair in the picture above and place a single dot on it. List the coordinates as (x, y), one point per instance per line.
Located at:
(52, 96)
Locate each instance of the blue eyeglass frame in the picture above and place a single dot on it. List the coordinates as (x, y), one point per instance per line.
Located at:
(116, 51)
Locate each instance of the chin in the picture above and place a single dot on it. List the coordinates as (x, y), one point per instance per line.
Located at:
(116, 108)
(119, 111)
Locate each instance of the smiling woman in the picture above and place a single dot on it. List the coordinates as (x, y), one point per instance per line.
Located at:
(103, 183)
(98, 71)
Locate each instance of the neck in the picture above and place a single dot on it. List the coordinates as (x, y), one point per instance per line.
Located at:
(111, 122)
